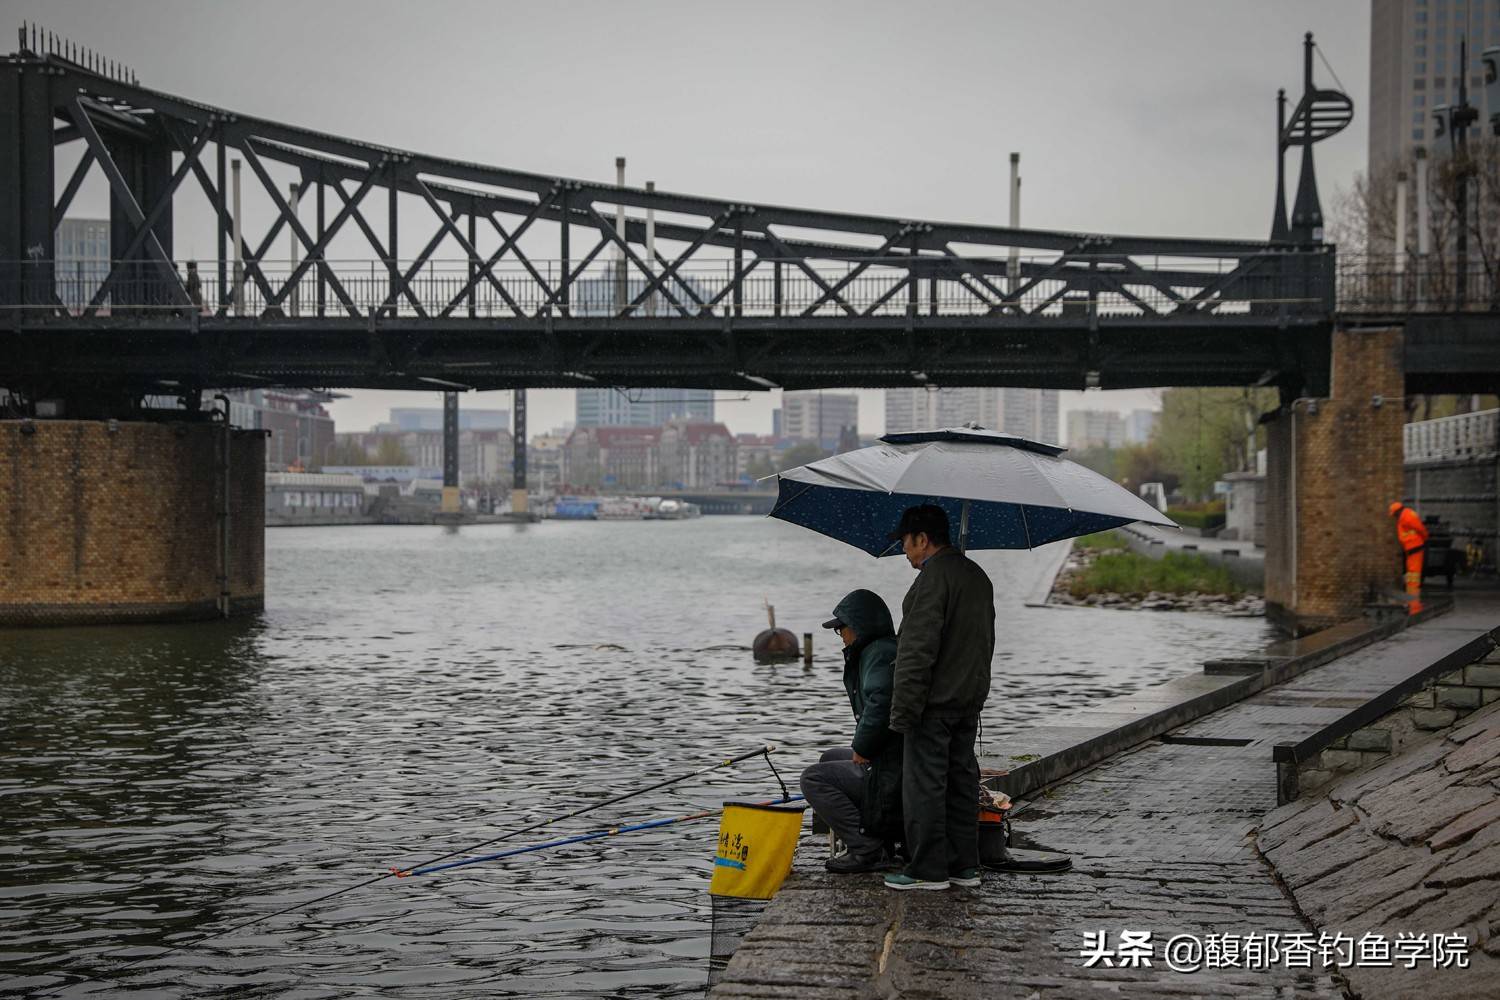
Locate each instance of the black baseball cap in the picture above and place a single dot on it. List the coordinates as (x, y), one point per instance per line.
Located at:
(833, 623)
(927, 518)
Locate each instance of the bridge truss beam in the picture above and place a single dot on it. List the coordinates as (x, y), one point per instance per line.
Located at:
(530, 280)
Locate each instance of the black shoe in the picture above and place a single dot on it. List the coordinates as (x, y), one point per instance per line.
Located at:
(850, 863)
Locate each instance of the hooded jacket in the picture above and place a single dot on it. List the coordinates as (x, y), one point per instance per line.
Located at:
(869, 664)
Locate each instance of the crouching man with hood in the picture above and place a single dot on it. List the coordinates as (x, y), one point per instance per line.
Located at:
(857, 789)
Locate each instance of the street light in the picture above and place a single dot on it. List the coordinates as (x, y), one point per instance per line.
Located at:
(1454, 121)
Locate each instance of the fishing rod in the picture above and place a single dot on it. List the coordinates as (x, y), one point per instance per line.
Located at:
(765, 751)
(583, 838)
(394, 872)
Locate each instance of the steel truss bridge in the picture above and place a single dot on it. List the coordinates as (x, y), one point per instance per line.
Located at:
(527, 280)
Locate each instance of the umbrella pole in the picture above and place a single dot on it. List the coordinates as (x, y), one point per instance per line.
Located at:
(963, 526)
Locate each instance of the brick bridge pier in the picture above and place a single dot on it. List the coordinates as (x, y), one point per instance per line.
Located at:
(1334, 464)
(118, 521)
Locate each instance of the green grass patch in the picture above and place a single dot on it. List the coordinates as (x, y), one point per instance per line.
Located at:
(1200, 519)
(1132, 573)
(1100, 540)
(1198, 515)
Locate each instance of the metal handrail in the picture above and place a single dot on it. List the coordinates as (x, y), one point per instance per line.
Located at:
(1058, 286)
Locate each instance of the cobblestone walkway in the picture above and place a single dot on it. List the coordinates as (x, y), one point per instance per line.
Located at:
(1162, 841)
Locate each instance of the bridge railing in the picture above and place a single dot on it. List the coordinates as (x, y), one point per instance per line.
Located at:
(1074, 288)
(1387, 284)
(1466, 435)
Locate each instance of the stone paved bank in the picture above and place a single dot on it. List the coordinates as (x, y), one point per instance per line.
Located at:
(1164, 840)
(1412, 844)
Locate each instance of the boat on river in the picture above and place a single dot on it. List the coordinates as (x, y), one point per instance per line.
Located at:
(677, 510)
(623, 509)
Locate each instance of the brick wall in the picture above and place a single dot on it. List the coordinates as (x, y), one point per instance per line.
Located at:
(1333, 467)
(108, 522)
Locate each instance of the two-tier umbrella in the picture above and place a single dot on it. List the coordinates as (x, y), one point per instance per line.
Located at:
(1000, 491)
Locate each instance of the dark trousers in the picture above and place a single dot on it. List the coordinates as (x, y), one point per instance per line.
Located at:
(835, 788)
(940, 792)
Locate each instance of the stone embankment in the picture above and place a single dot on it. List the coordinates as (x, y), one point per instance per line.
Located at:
(1411, 845)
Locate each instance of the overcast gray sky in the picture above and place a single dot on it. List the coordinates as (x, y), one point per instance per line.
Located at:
(1152, 117)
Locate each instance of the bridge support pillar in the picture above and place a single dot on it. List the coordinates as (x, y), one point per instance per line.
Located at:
(112, 521)
(1334, 464)
(450, 453)
(519, 504)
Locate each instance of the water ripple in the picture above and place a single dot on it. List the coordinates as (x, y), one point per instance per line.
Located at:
(403, 696)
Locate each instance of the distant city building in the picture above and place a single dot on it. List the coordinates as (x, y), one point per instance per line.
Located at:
(1138, 426)
(1028, 413)
(1414, 68)
(601, 408)
(612, 458)
(681, 454)
(1095, 429)
(608, 407)
(298, 419)
(776, 422)
(544, 460)
(484, 456)
(754, 451)
(430, 418)
(385, 473)
(313, 498)
(818, 415)
(697, 455)
(82, 260)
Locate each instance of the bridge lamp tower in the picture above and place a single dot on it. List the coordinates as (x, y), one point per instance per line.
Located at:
(1320, 114)
(1455, 121)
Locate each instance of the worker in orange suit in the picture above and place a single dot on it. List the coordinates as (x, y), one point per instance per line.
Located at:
(1412, 534)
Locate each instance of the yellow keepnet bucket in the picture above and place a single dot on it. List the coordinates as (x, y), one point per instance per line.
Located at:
(756, 843)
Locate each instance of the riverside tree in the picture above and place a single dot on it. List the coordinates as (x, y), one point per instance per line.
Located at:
(1204, 433)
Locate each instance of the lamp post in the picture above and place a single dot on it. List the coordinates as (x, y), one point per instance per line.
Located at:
(1455, 120)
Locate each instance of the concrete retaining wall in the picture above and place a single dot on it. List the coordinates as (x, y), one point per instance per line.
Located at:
(1445, 700)
(1462, 492)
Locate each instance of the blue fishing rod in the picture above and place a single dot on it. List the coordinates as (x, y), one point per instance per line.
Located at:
(428, 865)
(585, 837)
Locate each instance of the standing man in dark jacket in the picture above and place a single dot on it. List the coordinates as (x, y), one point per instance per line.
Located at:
(942, 678)
(857, 789)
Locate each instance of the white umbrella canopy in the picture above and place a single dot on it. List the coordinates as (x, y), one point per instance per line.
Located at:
(1000, 491)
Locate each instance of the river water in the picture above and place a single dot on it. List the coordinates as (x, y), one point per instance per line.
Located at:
(410, 691)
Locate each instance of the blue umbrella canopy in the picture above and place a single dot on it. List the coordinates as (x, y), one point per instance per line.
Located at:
(1000, 491)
